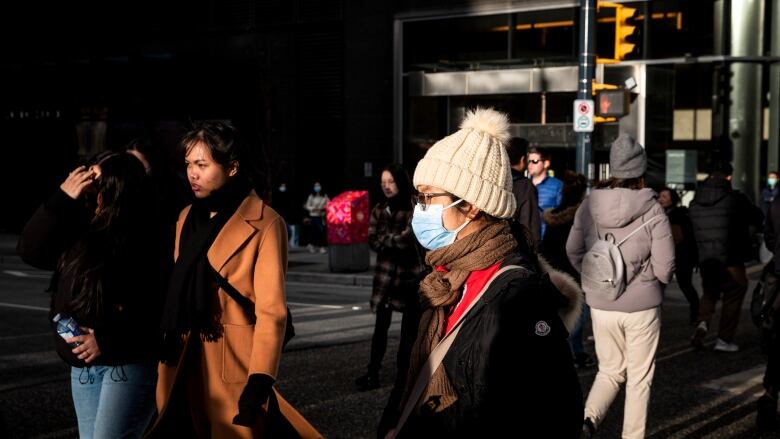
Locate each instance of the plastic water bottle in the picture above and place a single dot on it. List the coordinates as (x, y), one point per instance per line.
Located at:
(67, 327)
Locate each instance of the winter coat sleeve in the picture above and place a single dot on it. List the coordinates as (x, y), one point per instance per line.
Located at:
(575, 245)
(527, 212)
(375, 229)
(399, 241)
(53, 228)
(754, 215)
(662, 249)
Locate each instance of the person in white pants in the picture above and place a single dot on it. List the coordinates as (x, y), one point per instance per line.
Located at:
(623, 361)
(625, 329)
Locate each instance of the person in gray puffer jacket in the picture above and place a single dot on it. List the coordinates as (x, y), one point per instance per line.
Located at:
(619, 206)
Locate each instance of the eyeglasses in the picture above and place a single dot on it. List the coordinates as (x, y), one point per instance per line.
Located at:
(424, 199)
(535, 161)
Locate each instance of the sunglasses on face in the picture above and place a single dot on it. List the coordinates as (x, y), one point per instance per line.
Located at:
(535, 161)
(424, 199)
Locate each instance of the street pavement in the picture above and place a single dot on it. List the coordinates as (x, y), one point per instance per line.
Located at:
(695, 393)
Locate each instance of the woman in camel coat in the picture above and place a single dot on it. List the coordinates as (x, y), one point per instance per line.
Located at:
(219, 365)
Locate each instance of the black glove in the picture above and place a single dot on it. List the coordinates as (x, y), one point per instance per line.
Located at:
(255, 394)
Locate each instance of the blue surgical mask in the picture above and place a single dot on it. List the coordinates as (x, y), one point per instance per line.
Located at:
(771, 182)
(317, 189)
(428, 226)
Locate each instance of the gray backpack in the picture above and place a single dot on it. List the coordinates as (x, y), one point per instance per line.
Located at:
(603, 269)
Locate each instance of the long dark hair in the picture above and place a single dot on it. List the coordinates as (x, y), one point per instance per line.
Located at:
(403, 199)
(126, 207)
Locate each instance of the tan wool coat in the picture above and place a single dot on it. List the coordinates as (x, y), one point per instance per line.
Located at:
(251, 253)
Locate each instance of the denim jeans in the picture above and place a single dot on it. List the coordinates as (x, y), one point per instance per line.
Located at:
(114, 401)
(575, 338)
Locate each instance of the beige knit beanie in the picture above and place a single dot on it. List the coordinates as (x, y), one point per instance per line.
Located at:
(472, 163)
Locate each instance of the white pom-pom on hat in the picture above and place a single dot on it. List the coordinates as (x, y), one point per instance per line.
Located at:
(472, 163)
(488, 121)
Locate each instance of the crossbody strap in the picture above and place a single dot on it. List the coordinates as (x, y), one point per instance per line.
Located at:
(248, 306)
(644, 263)
(438, 353)
(244, 302)
(639, 228)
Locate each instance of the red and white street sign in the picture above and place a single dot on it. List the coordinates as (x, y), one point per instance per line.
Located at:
(583, 115)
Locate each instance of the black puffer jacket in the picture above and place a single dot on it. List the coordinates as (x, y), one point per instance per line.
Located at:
(527, 212)
(721, 218)
(133, 283)
(510, 364)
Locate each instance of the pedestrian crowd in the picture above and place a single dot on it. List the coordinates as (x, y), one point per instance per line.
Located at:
(483, 250)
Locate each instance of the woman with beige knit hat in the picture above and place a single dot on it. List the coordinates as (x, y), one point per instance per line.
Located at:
(486, 302)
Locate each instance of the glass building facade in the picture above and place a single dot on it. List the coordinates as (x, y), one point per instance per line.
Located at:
(522, 59)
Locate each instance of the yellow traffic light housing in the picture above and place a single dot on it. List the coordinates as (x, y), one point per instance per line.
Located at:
(624, 30)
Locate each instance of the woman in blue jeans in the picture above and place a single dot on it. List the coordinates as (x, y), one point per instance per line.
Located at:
(101, 234)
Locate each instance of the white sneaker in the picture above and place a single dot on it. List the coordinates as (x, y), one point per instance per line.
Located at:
(724, 346)
(310, 248)
(323, 250)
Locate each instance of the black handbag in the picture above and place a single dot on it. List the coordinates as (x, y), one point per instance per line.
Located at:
(249, 307)
(762, 304)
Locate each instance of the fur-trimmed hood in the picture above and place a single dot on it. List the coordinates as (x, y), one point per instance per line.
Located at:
(560, 217)
(569, 289)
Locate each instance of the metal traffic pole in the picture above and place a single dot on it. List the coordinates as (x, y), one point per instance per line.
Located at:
(587, 63)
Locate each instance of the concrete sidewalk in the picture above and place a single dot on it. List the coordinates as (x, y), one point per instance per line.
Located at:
(302, 265)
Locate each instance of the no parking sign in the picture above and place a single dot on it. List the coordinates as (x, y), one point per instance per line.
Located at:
(583, 115)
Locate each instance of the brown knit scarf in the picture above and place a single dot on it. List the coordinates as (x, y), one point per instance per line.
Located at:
(440, 293)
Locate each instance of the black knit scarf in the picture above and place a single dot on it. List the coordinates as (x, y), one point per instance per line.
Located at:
(191, 303)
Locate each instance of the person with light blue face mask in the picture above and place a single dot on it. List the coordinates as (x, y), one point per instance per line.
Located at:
(488, 296)
(428, 225)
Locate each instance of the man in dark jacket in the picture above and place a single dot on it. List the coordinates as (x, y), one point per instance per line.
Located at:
(766, 416)
(721, 219)
(527, 212)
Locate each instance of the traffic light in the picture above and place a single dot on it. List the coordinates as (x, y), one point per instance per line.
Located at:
(625, 28)
(612, 102)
